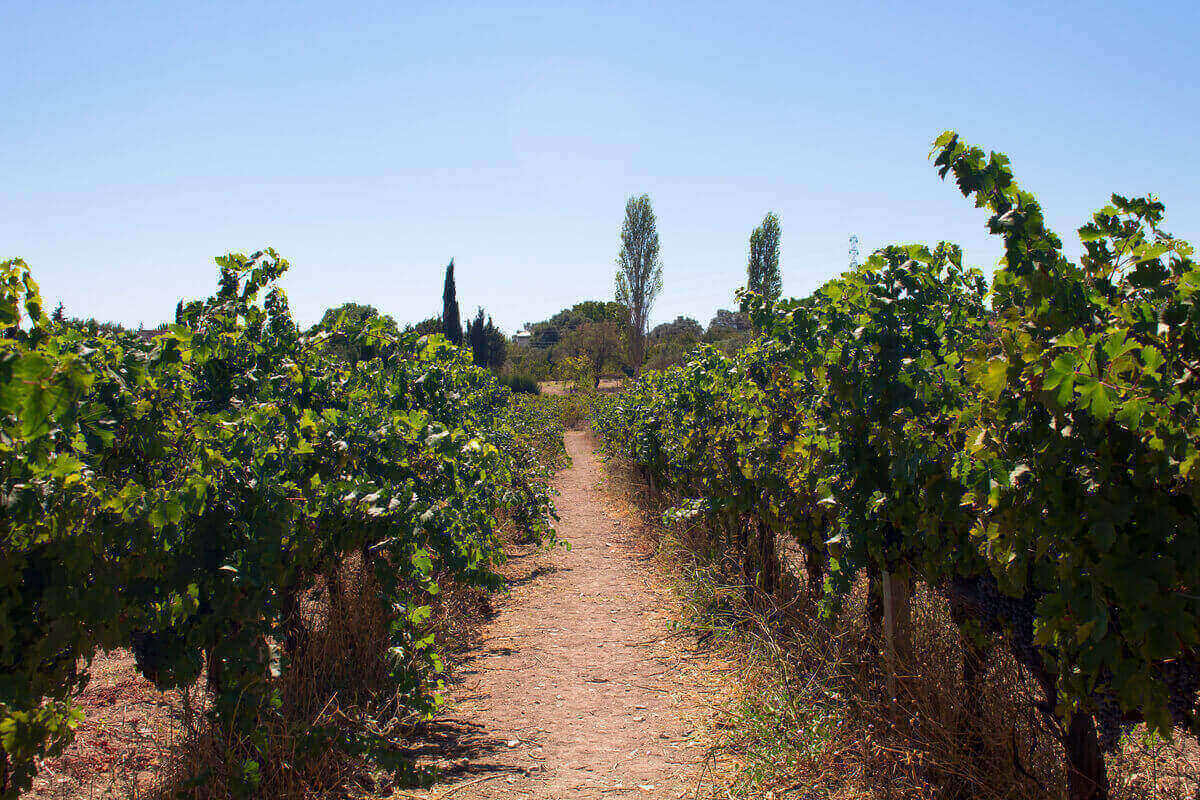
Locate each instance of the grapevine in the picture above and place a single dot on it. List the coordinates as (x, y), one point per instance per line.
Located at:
(176, 496)
(1025, 450)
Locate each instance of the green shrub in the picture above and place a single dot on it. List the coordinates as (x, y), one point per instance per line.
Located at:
(521, 384)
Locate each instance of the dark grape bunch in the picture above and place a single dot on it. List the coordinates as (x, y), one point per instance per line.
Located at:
(165, 657)
(1110, 722)
(1182, 678)
(980, 595)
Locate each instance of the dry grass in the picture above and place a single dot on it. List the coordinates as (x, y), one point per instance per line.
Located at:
(814, 718)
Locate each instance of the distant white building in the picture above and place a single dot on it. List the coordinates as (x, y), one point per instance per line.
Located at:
(522, 337)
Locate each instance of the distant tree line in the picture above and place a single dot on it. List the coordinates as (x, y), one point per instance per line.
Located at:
(98, 327)
(613, 335)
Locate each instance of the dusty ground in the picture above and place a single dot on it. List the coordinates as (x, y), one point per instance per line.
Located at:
(564, 387)
(578, 687)
(125, 737)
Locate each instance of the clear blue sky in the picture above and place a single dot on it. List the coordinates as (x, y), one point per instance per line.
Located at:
(370, 142)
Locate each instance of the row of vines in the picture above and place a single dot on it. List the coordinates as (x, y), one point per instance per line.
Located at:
(1027, 452)
(180, 496)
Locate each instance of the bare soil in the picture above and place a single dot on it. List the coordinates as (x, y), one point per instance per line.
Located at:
(124, 740)
(607, 385)
(578, 687)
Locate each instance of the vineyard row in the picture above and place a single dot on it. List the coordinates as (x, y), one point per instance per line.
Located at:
(184, 497)
(1027, 451)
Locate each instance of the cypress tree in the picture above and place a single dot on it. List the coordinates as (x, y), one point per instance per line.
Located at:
(451, 322)
(497, 345)
(479, 344)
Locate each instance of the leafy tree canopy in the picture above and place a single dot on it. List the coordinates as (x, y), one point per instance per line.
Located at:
(550, 332)
(355, 315)
(682, 327)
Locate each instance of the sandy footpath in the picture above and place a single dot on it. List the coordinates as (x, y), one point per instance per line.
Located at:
(578, 688)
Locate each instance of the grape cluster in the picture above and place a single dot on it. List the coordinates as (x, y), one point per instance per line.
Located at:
(1110, 724)
(1182, 679)
(981, 596)
(165, 657)
(892, 538)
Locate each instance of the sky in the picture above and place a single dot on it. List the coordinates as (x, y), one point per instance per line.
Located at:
(369, 143)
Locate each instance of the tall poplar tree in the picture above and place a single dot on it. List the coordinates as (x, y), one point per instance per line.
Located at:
(762, 271)
(639, 277)
(451, 322)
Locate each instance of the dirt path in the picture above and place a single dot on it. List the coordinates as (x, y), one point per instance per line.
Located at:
(578, 688)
